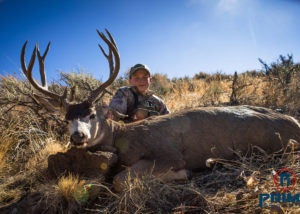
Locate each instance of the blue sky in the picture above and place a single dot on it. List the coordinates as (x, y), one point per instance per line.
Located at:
(173, 37)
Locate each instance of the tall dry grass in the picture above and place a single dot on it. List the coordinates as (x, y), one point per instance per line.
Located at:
(24, 150)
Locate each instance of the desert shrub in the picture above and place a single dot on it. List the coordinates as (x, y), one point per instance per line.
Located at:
(255, 73)
(291, 101)
(282, 88)
(241, 93)
(281, 71)
(84, 83)
(119, 82)
(185, 83)
(213, 92)
(201, 75)
(17, 101)
(219, 76)
(161, 85)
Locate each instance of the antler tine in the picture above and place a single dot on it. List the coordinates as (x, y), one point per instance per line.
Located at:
(114, 43)
(109, 56)
(31, 63)
(114, 69)
(42, 65)
(28, 73)
(111, 38)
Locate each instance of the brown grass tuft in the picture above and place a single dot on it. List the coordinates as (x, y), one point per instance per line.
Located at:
(72, 188)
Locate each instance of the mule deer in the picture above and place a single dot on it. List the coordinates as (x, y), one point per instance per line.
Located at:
(167, 145)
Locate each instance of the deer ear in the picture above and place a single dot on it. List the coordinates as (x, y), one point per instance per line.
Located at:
(50, 104)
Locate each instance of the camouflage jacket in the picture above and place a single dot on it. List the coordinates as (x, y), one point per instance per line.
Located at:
(125, 102)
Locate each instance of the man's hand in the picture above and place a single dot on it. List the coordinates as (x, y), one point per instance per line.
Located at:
(115, 115)
(110, 115)
(140, 115)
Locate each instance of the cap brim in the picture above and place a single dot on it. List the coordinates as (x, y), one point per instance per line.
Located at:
(140, 69)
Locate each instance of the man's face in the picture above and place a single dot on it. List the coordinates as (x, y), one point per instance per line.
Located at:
(141, 80)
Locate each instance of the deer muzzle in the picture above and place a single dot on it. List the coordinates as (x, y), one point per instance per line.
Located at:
(78, 138)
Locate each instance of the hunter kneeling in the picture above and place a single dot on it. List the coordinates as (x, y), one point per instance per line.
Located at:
(136, 101)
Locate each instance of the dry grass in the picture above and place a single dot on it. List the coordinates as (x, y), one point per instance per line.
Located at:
(231, 186)
(24, 151)
(6, 141)
(196, 93)
(72, 188)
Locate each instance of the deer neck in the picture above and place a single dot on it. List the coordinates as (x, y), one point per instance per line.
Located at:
(108, 130)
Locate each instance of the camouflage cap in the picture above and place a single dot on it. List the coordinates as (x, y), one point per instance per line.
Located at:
(137, 67)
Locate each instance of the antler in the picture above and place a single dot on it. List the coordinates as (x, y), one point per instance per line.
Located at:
(114, 69)
(112, 57)
(28, 73)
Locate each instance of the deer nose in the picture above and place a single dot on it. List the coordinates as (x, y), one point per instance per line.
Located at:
(77, 137)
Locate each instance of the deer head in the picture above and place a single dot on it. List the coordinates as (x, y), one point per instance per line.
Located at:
(83, 119)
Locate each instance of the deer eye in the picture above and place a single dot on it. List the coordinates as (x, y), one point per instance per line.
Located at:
(92, 116)
(66, 122)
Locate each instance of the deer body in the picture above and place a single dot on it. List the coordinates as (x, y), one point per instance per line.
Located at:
(170, 145)
(192, 134)
(185, 140)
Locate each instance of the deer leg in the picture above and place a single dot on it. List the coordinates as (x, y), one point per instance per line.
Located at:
(165, 172)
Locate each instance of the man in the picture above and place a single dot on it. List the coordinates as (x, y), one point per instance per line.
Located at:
(137, 101)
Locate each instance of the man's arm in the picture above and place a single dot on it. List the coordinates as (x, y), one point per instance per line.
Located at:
(162, 108)
(118, 103)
